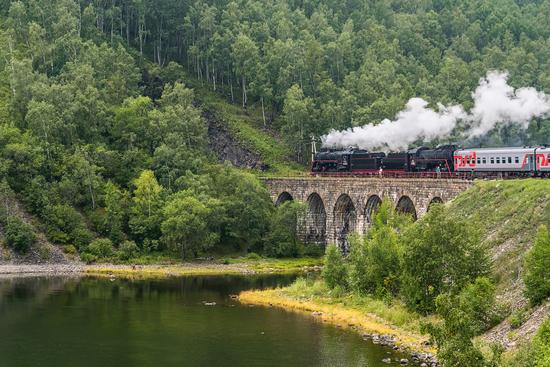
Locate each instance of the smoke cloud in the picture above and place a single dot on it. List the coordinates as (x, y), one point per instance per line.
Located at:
(495, 104)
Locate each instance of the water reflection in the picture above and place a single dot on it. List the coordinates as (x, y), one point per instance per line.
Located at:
(67, 321)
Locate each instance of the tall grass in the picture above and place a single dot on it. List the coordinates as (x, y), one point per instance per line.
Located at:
(316, 290)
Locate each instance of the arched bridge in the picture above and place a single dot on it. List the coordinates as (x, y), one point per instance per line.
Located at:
(337, 206)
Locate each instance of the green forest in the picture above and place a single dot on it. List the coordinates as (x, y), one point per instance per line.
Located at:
(326, 64)
(102, 138)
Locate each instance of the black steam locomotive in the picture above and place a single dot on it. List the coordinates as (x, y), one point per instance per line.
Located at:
(358, 161)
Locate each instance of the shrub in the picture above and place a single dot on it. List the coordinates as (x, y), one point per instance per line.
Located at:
(66, 225)
(61, 220)
(541, 345)
(128, 250)
(88, 258)
(81, 237)
(19, 235)
(45, 252)
(464, 316)
(375, 260)
(537, 263)
(282, 240)
(478, 302)
(253, 256)
(101, 248)
(69, 249)
(440, 256)
(517, 319)
(334, 271)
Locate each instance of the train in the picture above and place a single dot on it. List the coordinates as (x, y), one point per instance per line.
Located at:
(445, 160)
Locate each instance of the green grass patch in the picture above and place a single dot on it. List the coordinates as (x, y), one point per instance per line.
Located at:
(265, 265)
(394, 311)
(509, 213)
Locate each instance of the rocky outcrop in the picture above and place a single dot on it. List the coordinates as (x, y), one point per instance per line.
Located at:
(227, 148)
(42, 252)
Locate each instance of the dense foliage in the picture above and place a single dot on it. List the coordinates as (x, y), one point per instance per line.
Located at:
(114, 161)
(283, 240)
(537, 263)
(440, 257)
(334, 271)
(325, 64)
(19, 235)
(535, 353)
(541, 345)
(375, 261)
(433, 266)
(464, 316)
(418, 262)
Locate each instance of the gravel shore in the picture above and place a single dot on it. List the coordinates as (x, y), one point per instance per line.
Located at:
(49, 269)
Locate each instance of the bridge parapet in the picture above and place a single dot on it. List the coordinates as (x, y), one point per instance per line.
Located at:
(341, 205)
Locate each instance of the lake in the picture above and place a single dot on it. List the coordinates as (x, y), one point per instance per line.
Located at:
(72, 321)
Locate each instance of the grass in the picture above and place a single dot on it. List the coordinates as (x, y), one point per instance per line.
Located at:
(508, 213)
(266, 265)
(225, 266)
(361, 313)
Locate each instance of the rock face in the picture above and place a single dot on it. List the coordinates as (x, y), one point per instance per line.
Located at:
(227, 148)
(338, 206)
(41, 252)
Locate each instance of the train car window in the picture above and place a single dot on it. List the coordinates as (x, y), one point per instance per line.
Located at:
(509, 159)
(517, 160)
(503, 160)
(498, 160)
(484, 160)
(492, 160)
(478, 160)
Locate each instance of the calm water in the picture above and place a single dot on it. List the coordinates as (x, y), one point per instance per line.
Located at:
(97, 322)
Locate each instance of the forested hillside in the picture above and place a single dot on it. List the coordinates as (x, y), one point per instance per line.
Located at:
(109, 153)
(332, 64)
(102, 139)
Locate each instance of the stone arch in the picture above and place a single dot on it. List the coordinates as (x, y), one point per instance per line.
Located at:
(283, 196)
(435, 200)
(406, 205)
(345, 220)
(316, 220)
(371, 208)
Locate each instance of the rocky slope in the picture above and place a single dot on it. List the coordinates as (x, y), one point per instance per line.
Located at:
(42, 252)
(508, 213)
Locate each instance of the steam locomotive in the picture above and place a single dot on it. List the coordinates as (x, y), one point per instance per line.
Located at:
(446, 160)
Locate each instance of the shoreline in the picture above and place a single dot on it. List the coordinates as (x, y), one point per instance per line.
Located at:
(155, 270)
(369, 326)
(11, 270)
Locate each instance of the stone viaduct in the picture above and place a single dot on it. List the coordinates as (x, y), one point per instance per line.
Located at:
(337, 206)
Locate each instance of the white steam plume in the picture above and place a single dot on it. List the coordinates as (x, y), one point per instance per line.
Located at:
(495, 103)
